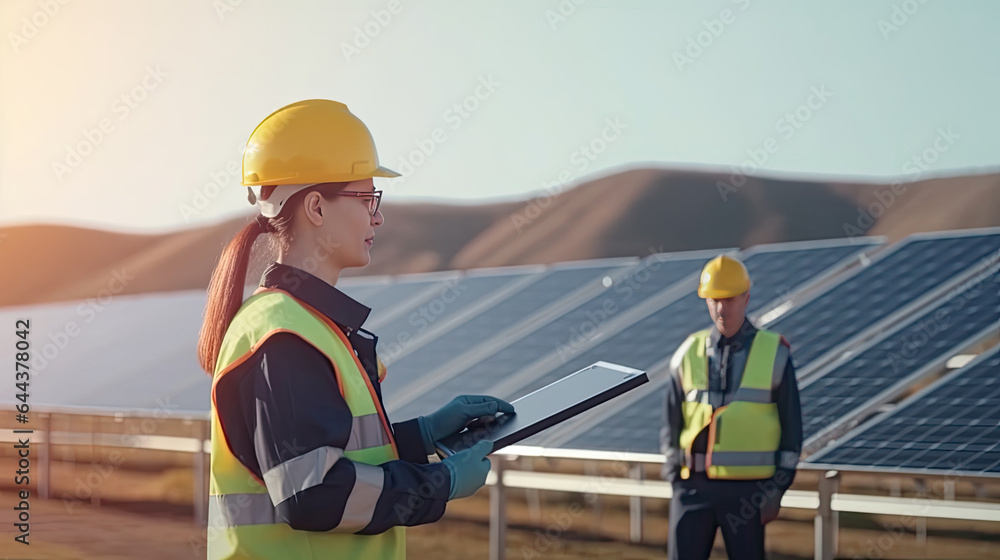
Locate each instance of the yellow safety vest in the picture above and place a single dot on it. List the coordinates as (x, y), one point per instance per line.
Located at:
(242, 522)
(743, 436)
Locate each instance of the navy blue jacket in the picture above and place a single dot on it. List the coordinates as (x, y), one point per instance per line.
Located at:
(284, 402)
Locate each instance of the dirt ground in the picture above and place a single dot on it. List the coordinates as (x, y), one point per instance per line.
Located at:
(148, 515)
(118, 531)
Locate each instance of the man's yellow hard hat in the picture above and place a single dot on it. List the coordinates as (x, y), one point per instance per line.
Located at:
(723, 277)
(306, 143)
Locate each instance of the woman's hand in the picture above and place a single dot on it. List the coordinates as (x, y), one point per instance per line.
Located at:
(454, 416)
(468, 470)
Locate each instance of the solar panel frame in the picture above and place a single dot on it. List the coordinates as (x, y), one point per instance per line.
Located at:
(817, 461)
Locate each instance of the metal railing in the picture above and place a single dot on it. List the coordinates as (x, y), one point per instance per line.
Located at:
(826, 500)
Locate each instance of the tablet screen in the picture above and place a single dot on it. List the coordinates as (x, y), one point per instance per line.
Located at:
(548, 406)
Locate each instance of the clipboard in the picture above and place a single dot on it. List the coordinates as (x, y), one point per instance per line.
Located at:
(555, 403)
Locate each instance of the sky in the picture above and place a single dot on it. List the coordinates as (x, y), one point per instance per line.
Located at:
(132, 115)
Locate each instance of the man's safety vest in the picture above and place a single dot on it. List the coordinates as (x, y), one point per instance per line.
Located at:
(242, 520)
(743, 436)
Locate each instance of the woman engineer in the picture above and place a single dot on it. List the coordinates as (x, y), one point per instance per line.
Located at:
(305, 463)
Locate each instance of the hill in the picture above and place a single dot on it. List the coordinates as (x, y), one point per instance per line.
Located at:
(633, 212)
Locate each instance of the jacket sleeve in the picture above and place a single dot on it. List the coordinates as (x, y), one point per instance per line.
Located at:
(672, 418)
(300, 425)
(410, 442)
(670, 432)
(790, 417)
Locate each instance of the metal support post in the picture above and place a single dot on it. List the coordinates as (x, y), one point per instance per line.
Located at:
(826, 537)
(531, 495)
(200, 491)
(498, 513)
(635, 506)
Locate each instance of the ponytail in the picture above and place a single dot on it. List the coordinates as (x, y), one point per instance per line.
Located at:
(225, 292)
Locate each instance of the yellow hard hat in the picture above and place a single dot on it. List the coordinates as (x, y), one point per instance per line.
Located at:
(306, 143)
(723, 277)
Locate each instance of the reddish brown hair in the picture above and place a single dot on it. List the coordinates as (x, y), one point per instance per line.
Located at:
(225, 290)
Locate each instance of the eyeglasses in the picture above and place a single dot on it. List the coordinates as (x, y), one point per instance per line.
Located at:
(374, 198)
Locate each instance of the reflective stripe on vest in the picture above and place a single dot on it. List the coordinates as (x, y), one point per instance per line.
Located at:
(232, 510)
(744, 434)
(242, 508)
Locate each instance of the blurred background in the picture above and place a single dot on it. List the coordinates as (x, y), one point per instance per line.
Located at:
(559, 158)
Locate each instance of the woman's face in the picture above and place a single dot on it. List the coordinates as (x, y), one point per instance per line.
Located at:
(348, 229)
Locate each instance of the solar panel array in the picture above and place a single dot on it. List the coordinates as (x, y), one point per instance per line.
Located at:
(952, 425)
(511, 331)
(635, 423)
(917, 266)
(636, 427)
(935, 333)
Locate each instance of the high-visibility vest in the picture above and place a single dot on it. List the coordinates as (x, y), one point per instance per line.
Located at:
(242, 516)
(743, 436)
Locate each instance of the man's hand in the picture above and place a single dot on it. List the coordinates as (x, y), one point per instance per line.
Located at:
(769, 511)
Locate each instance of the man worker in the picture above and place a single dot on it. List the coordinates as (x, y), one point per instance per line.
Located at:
(732, 430)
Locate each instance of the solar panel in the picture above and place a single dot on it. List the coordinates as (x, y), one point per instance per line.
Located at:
(553, 285)
(639, 282)
(922, 343)
(407, 293)
(952, 425)
(452, 299)
(636, 427)
(916, 267)
(362, 292)
(132, 352)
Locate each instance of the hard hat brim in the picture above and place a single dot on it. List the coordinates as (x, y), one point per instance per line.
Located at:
(316, 178)
(381, 171)
(704, 292)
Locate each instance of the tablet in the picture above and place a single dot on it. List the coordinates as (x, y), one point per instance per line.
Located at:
(548, 406)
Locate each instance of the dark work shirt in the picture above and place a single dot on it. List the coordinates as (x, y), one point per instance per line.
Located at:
(284, 402)
(726, 360)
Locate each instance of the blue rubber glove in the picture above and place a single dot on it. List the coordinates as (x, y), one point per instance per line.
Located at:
(454, 416)
(468, 469)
